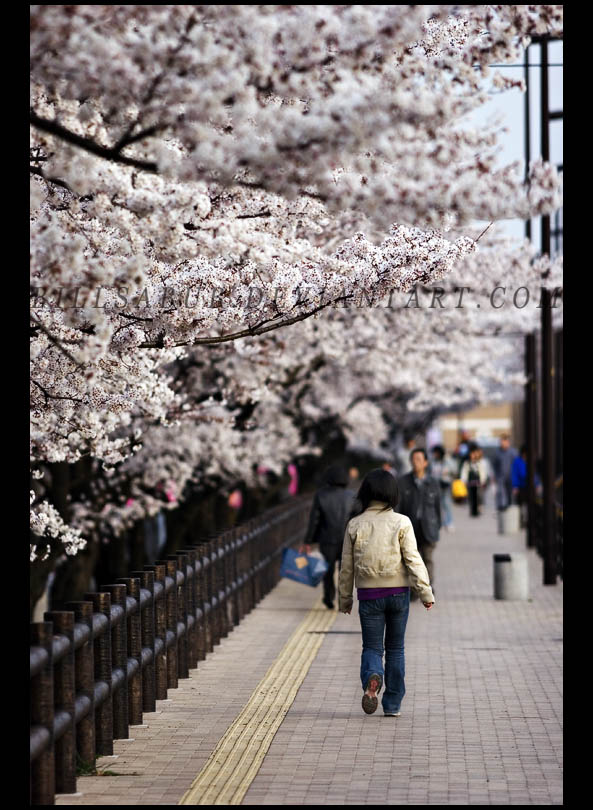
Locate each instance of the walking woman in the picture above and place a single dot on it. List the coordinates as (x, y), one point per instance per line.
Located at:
(474, 473)
(380, 556)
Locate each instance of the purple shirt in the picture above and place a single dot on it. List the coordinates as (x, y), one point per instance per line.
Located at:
(379, 593)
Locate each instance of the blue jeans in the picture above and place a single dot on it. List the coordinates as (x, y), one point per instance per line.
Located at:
(385, 619)
(446, 501)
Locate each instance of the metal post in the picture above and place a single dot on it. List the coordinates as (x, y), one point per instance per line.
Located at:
(221, 585)
(548, 438)
(206, 595)
(549, 443)
(84, 672)
(103, 674)
(182, 611)
(202, 639)
(253, 538)
(147, 626)
(64, 745)
(42, 716)
(234, 577)
(530, 435)
(171, 615)
(257, 545)
(545, 135)
(559, 410)
(212, 601)
(192, 620)
(527, 133)
(134, 633)
(119, 658)
(240, 551)
(212, 552)
(160, 632)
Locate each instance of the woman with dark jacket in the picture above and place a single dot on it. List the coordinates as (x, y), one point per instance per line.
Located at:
(329, 514)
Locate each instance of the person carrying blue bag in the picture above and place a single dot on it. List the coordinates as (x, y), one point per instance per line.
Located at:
(304, 568)
(329, 514)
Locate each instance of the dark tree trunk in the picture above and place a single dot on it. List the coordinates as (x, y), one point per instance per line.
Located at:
(38, 573)
(137, 553)
(73, 577)
(60, 488)
(224, 515)
(191, 521)
(113, 560)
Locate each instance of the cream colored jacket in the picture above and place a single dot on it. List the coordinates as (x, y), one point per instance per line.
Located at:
(380, 551)
(480, 466)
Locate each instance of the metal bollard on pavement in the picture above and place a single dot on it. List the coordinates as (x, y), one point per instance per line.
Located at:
(511, 580)
(509, 520)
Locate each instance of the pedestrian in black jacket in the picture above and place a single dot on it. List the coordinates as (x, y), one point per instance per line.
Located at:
(330, 513)
(419, 499)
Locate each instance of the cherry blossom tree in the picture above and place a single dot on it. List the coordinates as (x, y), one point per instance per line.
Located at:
(220, 195)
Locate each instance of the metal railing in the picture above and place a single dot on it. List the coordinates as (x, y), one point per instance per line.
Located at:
(96, 667)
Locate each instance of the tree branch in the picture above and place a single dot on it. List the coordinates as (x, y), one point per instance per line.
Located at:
(47, 395)
(55, 180)
(55, 341)
(250, 331)
(113, 154)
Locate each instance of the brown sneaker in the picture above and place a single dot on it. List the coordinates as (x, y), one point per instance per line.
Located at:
(369, 699)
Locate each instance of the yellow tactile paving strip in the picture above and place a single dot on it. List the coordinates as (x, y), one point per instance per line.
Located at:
(235, 761)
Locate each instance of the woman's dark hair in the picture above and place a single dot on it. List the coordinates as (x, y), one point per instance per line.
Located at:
(336, 476)
(523, 449)
(473, 446)
(438, 448)
(377, 485)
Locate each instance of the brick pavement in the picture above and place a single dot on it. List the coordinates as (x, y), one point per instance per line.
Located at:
(160, 762)
(481, 719)
(480, 724)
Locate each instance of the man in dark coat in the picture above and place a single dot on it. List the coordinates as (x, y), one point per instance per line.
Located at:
(502, 466)
(330, 513)
(419, 499)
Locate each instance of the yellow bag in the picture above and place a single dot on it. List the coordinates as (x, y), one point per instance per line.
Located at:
(458, 489)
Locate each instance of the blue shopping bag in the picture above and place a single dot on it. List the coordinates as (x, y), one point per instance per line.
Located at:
(303, 568)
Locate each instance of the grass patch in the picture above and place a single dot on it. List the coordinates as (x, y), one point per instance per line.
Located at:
(84, 768)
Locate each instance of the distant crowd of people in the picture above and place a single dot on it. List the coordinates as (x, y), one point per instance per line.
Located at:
(427, 483)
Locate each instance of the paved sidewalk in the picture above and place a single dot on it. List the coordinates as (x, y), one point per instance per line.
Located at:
(159, 763)
(481, 719)
(480, 723)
